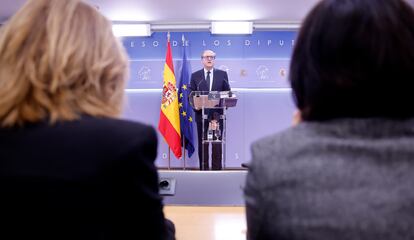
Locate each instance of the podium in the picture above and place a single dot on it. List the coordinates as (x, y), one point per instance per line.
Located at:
(213, 106)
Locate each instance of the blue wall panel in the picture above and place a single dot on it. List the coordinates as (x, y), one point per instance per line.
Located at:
(257, 66)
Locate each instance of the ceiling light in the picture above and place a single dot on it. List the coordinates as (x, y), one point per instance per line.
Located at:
(125, 30)
(231, 27)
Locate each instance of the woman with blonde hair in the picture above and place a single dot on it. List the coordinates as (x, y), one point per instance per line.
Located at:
(69, 169)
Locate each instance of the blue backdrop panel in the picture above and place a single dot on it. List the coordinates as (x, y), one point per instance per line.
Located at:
(272, 44)
(257, 66)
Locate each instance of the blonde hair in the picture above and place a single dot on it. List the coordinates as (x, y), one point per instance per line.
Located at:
(58, 60)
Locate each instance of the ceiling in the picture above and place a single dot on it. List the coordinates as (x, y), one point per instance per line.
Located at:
(191, 11)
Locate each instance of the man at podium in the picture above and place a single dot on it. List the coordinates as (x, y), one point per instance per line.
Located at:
(206, 80)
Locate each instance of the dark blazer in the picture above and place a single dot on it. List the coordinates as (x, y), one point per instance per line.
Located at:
(85, 179)
(198, 83)
(344, 180)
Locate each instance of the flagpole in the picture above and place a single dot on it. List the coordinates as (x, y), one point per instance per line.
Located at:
(169, 158)
(183, 40)
(169, 149)
(184, 153)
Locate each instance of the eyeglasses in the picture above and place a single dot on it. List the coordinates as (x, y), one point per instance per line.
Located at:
(209, 57)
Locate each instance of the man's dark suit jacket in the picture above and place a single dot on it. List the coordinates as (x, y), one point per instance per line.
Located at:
(343, 179)
(85, 179)
(198, 83)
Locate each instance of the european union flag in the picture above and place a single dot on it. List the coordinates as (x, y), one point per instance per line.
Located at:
(186, 111)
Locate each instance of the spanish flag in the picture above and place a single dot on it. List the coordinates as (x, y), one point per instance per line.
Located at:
(169, 124)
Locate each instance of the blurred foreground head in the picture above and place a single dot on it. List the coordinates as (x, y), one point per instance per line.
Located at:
(58, 60)
(355, 59)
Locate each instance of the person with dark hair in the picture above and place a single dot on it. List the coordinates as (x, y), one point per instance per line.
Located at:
(69, 169)
(345, 170)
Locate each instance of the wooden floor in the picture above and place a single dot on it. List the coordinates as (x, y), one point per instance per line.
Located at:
(207, 223)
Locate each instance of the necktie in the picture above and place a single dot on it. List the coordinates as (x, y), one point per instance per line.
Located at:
(208, 80)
